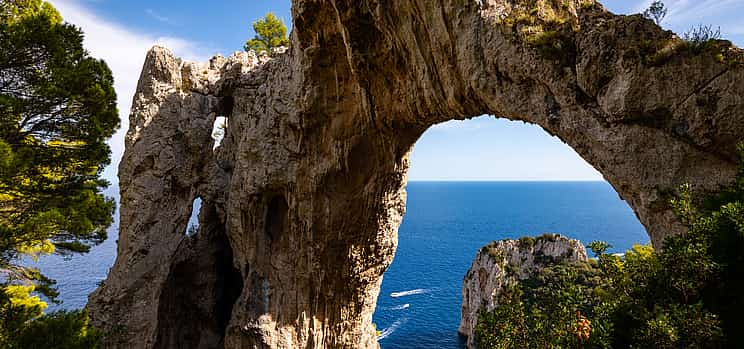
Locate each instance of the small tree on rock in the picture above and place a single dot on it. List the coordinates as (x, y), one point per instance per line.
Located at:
(270, 33)
(656, 12)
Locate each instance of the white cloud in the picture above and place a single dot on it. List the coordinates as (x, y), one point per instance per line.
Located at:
(124, 51)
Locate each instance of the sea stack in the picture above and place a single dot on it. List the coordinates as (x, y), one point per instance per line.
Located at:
(505, 262)
(302, 200)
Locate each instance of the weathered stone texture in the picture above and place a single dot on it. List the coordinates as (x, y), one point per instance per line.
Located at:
(504, 263)
(302, 201)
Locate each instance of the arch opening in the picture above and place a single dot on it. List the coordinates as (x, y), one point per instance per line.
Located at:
(192, 227)
(472, 182)
(201, 288)
(219, 130)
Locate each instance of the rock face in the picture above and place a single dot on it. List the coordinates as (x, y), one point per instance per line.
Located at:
(302, 200)
(502, 263)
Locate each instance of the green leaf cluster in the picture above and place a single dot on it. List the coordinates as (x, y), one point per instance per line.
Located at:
(552, 309)
(688, 295)
(17, 10)
(270, 33)
(57, 109)
(24, 326)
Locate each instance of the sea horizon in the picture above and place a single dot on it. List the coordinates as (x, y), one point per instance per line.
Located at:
(445, 225)
(447, 222)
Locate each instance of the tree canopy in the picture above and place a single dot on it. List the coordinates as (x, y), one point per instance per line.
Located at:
(57, 109)
(270, 33)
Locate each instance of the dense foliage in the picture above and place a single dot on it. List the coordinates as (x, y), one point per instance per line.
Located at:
(24, 326)
(688, 295)
(550, 310)
(57, 109)
(270, 33)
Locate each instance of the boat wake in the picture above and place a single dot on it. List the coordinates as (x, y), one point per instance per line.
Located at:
(390, 329)
(401, 307)
(409, 293)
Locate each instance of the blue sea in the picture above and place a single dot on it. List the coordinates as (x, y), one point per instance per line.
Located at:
(446, 223)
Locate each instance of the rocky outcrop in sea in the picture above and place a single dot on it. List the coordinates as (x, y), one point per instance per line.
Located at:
(302, 200)
(506, 262)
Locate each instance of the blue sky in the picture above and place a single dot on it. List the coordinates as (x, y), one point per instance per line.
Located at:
(484, 148)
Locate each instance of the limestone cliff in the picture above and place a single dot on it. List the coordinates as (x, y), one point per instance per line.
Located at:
(302, 200)
(506, 262)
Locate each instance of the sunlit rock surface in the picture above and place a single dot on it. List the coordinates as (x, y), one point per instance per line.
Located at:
(302, 200)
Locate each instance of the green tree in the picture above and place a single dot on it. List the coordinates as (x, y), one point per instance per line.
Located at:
(270, 33)
(57, 109)
(656, 12)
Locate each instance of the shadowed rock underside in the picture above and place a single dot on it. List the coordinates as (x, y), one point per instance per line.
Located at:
(302, 200)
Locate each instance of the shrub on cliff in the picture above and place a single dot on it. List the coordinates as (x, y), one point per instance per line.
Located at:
(688, 295)
(550, 310)
(645, 300)
(717, 225)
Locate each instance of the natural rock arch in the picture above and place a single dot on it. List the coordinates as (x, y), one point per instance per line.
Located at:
(307, 188)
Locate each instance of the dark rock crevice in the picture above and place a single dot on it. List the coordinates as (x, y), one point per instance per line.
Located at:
(308, 187)
(200, 291)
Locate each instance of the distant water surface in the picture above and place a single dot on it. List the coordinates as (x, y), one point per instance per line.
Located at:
(446, 223)
(444, 226)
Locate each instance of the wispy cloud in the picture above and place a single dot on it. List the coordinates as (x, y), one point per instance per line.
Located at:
(690, 12)
(683, 9)
(124, 51)
(152, 14)
(686, 14)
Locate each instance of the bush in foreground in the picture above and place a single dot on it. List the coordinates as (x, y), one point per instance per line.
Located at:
(23, 324)
(688, 295)
(57, 110)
